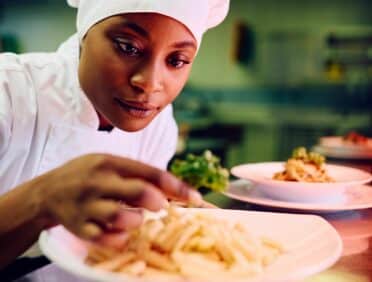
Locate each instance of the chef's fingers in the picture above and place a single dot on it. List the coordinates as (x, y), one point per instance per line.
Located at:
(114, 240)
(127, 219)
(108, 184)
(134, 192)
(151, 199)
(165, 181)
(90, 231)
(101, 210)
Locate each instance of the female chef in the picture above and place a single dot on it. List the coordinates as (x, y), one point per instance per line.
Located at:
(89, 129)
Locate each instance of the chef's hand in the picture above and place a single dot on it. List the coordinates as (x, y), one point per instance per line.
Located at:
(98, 196)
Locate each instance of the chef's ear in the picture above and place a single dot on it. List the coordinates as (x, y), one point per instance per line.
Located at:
(81, 46)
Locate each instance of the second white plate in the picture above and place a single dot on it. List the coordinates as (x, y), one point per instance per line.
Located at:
(297, 191)
(335, 146)
(357, 197)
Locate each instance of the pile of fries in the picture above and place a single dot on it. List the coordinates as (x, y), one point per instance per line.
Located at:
(192, 245)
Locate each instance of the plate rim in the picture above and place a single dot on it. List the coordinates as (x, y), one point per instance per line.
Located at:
(340, 153)
(327, 262)
(264, 200)
(368, 176)
(339, 138)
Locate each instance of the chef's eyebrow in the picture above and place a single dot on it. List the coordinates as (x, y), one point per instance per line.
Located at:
(185, 44)
(143, 32)
(135, 27)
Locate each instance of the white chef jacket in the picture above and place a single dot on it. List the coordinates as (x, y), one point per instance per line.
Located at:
(46, 120)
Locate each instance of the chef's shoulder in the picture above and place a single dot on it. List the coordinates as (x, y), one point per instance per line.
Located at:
(25, 79)
(31, 68)
(16, 80)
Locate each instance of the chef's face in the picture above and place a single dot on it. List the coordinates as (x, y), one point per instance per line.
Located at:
(134, 65)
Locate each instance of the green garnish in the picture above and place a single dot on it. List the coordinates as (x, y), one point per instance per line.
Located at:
(300, 153)
(202, 171)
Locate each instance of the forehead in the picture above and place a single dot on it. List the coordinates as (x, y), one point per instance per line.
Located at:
(150, 23)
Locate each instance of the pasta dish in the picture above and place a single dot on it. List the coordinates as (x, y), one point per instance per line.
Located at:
(304, 166)
(191, 245)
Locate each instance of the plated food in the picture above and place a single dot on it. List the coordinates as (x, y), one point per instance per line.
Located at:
(304, 166)
(358, 139)
(350, 146)
(188, 245)
(302, 180)
(293, 233)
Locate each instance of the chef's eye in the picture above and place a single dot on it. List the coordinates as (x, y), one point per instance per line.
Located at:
(177, 62)
(128, 49)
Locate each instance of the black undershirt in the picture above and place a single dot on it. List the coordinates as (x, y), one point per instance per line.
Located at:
(21, 267)
(107, 128)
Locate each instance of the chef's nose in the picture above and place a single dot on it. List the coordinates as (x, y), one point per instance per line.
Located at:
(147, 78)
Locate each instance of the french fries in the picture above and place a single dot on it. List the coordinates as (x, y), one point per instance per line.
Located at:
(191, 245)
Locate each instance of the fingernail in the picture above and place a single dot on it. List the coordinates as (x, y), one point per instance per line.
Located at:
(165, 204)
(128, 219)
(195, 198)
(114, 240)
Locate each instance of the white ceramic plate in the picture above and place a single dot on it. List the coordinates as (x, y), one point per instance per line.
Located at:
(334, 146)
(312, 245)
(261, 174)
(357, 197)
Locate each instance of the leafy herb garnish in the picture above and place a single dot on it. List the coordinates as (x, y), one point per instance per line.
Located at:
(202, 171)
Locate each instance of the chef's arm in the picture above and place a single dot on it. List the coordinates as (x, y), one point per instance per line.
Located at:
(21, 221)
(83, 195)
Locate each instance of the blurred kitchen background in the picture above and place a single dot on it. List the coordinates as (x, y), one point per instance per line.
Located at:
(273, 76)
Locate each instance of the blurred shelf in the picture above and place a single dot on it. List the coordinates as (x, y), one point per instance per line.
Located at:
(245, 114)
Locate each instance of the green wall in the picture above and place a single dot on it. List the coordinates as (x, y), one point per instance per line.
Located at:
(302, 26)
(39, 26)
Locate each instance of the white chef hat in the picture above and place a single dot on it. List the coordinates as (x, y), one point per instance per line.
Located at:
(196, 15)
